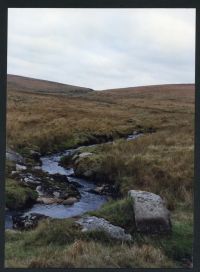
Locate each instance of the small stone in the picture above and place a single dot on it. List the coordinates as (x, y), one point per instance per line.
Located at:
(37, 167)
(39, 190)
(85, 154)
(20, 167)
(46, 200)
(70, 201)
(56, 194)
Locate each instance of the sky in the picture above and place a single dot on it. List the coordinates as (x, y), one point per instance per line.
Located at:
(103, 48)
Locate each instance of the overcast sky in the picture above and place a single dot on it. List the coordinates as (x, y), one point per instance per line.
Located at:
(103, 48)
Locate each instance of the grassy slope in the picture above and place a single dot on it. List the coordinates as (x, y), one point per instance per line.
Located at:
(161, 162)
(43, 86)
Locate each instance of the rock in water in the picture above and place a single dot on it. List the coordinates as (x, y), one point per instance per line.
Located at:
(26, 222)
(151, 214)
(35, 155)
(20, 167)
(93, 223)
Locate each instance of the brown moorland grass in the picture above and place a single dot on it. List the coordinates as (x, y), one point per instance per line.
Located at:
(50, 122)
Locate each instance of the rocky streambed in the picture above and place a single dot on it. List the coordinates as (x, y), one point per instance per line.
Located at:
(61, 193)
(82, 201)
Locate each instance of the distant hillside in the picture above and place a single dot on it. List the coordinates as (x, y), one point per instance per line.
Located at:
(26, 84)
(175, 89)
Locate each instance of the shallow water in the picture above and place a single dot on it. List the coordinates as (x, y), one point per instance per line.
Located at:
(88, 201)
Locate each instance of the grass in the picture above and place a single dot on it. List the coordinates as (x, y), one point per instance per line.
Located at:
(58, 243)
(18, 195)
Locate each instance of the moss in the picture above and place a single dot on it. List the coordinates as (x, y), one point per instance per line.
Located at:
(19, 196)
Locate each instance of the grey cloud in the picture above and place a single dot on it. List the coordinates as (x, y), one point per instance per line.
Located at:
(103, 48)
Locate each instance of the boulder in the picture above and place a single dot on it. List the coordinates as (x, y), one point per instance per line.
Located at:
(70, 201)
(26, 222)
(93, 223)
(151, 214)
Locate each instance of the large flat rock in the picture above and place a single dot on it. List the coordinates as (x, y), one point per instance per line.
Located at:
(93, 223)
(151, 214)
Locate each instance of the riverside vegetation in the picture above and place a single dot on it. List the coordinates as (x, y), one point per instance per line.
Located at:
(42, 120)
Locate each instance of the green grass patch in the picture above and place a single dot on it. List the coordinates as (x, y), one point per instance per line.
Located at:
(179, 245)
(119, 213)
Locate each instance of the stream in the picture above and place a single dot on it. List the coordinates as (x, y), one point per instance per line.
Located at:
(88, 201)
